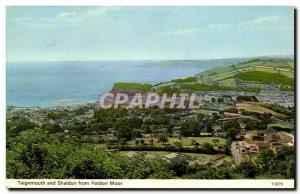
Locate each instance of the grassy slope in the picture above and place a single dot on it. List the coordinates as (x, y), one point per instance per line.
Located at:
(265, 77)
(185, 141)
(133, 86)
(227, 72)
(255, 107)
(277, 71)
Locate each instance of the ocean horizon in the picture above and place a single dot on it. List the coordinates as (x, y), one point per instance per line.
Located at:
(46, 84)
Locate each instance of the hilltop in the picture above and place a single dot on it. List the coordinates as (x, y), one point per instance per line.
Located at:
(249, 75)
(258, 76)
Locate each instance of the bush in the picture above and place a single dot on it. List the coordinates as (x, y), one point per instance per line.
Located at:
(247, 98)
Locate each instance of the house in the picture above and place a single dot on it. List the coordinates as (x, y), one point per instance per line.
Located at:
(260, 133)
(268, 135)
(262, 145)
(249, 149)
(271, 136)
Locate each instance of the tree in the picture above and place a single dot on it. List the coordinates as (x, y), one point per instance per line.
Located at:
(163, 139)
(54, 115)
(86, 170)
(247, 98)
(180, 167)
(208, 127)
(137, 133)
(291, 169)
(232, 124)
(207, 148)
(220, 100)
(190, 128)
(213, 100)
(52, 128)
(34, 157)
(248, 169)
(255, 125)
(123, 141)
(232, 128)
(264, 159)
(284, 162)
(148, 129)
(24, 125)
(207, 172)
(232, 133)
(124, 132)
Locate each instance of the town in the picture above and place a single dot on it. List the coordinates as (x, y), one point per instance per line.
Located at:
(243, 128)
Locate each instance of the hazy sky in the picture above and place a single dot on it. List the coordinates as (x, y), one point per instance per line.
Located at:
(121, 33)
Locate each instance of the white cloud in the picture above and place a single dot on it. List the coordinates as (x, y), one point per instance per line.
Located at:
(67, 14)
(259, 22)
(181, 32)
(268, 22)
(90, 13)
(219, 26)
(65, 18)
(262, 22)
(95, 12)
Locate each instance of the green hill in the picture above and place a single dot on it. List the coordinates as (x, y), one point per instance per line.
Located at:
(249, 75)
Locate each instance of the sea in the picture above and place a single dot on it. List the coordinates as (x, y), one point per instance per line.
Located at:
(47, 84)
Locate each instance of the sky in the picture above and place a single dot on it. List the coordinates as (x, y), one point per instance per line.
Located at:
(147, 33)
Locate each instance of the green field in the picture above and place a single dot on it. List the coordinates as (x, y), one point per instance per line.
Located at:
(188, 79)
(266, 78)
(284, 66)
(287, 72)
(283, 125)
(133, 86)
(185, 141)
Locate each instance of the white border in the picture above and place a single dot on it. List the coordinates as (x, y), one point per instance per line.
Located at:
(4, 3)
(150, 183)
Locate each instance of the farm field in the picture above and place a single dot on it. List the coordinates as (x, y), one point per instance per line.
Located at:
(185, 141)
(254, 107)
